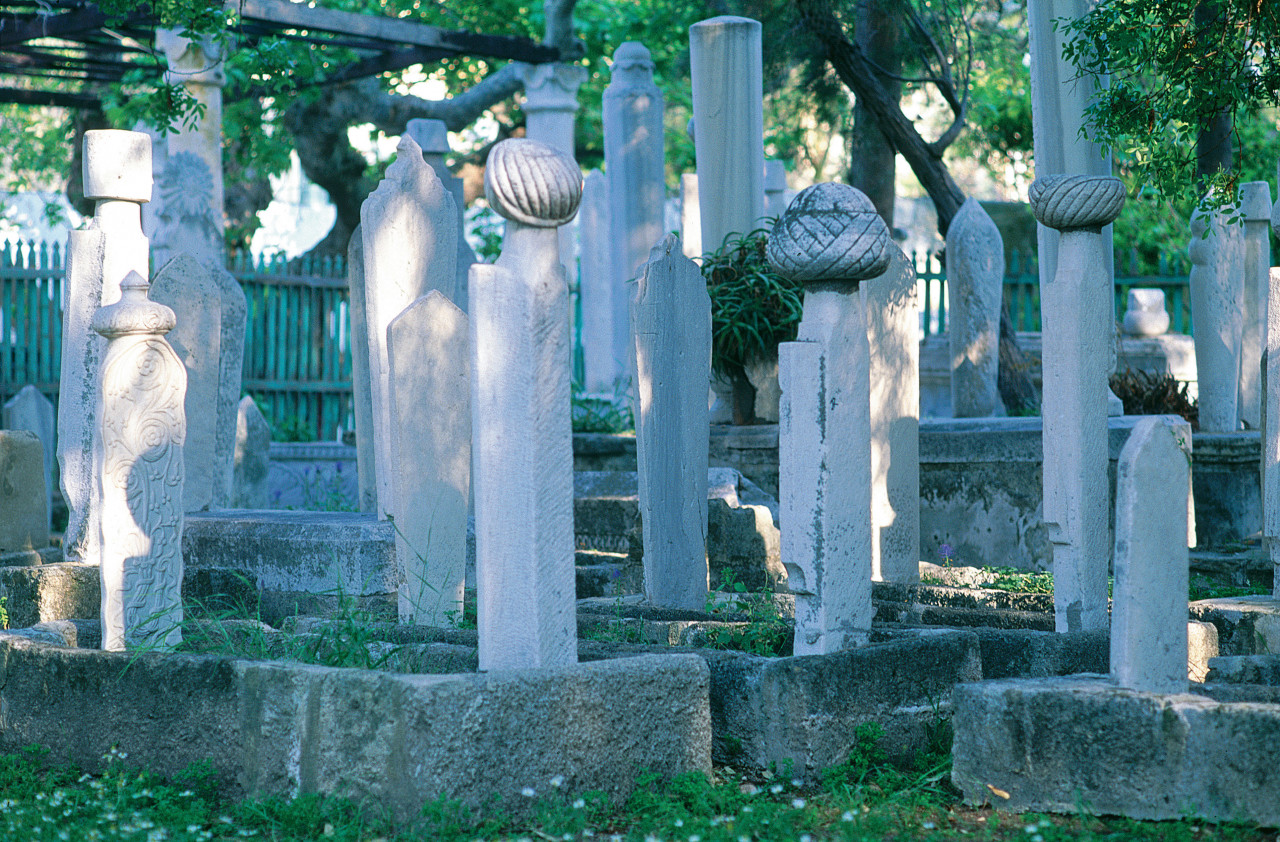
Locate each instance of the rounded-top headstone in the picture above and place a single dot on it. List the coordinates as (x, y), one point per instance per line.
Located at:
(1255, 201)
(631, 56)
(726, 26)
(830, 232)
(117, 165)
(431, 135)
(531, 183)
(1074, 202)
(134, 313)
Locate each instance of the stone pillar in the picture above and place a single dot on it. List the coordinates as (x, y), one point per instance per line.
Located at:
(30, 410)
(1217, 302)
(775, 188)
(603, 362)
(431, 420)
(361, 397)
(253, 456)
(975, 284)
(521, 432)
(409, 233)
(728, 125)
(188, 215)
(893, 323)
(433, 137)
(634, 156)
(1255, 206)
(1271, 416)
(671, 319)
(551, 101)
(1149, 603)
(1078, 333)
(117, 176)
(24, 513)
(830, 238)
(690, 217)
(139, 469)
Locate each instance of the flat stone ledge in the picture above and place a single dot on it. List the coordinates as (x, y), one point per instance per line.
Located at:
(399, 740)
(1247, 625)
(1066, 744)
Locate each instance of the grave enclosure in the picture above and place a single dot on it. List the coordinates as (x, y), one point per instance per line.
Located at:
(593, 561)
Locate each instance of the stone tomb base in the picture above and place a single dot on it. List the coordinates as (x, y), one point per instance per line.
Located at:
(397, 740)
(1067, 744)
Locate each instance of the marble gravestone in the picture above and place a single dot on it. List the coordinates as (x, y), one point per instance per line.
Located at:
(521, 430)
(24, 516)
(433, 137)
(602, 362)
(139, 469)
(1255, 206)
(671, 323)
(1217, 302)
(831, 239)
(361, 398)
(252, 457)
(975, 285)
(30, 410)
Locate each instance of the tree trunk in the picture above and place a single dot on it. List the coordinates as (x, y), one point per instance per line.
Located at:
(872, 157)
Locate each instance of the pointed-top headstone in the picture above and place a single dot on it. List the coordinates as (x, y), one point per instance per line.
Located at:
(31, 410)
(975, 285)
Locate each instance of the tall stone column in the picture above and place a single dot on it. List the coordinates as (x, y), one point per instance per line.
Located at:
(634, 156)
(1217, 303)
(831, 239)
(1078, 331)
(728, 125)
(975, 284)
(550, 106)
(601, 363)
(1255, 206)
(117, 176)
(139, 471)
(1271, 417)
(522, 437)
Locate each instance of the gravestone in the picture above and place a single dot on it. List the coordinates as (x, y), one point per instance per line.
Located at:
(1077, 347)
(671, 322)
(728, 125)
(252, 457)
(975, 284)
(1145, 314)
(409, 235)
(1217, 303)
(633, 153)
(603, 363)
(550, 103)
(521, 433)
(433, 137)
(117, 177)
(831, 239)
(139, 468)
(32, 411)
(893, 324)
(1149, 606)
(430, 396)
(775, 188)
(1271, 426)
(24, 513)
(690, 217)
(361, 397)
(1255, 206)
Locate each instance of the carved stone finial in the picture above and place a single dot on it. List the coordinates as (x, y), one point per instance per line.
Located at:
(631, 62)
(830, 232)
(134, 313)
(531, 183)
(1074, 202)
(117, 165)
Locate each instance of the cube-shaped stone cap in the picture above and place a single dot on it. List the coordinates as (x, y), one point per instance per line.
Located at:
(533, 184)
(134, 313)
(1255, 201)
(117, 165)
(432, 136)
(1073, 202)
(830, 232)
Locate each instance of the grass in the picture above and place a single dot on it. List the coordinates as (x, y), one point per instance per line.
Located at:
(1022, 581)
(863, 799)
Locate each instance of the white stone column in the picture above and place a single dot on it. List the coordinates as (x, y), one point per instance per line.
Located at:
(728, 125)
(522, 438)
(1217, 304)
(139, 471)
(433, 137)
(409, 237)
(893, 329)
(31, 410)
(1149, 603)
(1255, 206)
(117, 176)
(690, 217)
(671, 317)
(1078, 333)
(830, 238)
(975, 284)
(550, 106)
(601, 360)
(634, 158)
(775, 188)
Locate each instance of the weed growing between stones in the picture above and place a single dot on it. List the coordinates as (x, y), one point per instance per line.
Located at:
(602, 414)
(766, 631)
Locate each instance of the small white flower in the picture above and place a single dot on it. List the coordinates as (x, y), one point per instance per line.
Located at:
(798, 803)
(679, 822)
(846, 816)
(796, 782)
(579, 804)
(528, 792)
(776, 788)
(929, 826)
(557, 781)
(748, 809)
(1037, 838)
(1029, 829)
(804, 837)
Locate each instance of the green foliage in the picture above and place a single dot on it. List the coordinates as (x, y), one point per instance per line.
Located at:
(1205, 588)
(1021, 581)
(753, 308)
(293, 429)
(766, 632)
(1144, 393)
(4, 612)
(592, 414)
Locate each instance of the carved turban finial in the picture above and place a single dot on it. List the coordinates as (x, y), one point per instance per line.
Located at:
(830, 232)
(134, 312)
(1071, 202)
(531, 183)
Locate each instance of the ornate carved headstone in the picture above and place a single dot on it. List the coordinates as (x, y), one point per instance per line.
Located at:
(31, 410)
(975, 284)
(1255, 206)
(1149, 606)
(831, 239)
(139, 467)
(522, 439)
(1077, 347)
(671, 321)
(252, 457)
(429, 355)
(1217, 302)
(117, 176)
